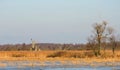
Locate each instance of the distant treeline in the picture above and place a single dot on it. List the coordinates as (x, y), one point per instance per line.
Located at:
(52, 46)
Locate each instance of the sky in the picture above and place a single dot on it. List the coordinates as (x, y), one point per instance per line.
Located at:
(54, 21)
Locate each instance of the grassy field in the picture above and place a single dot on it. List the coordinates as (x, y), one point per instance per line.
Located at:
(86, 56)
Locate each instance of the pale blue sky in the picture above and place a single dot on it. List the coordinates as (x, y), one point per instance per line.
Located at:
(54, 21)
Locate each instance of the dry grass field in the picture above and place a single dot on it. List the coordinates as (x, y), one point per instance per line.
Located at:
(86, 56)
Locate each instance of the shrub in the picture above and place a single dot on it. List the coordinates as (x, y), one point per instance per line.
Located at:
(18, 55)
(57, 54)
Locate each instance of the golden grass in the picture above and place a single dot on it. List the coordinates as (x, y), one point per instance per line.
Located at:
(84, 56)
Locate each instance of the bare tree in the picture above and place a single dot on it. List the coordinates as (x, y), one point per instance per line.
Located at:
(101, 32)
(108, 37)
(104, 44)
(113, 41)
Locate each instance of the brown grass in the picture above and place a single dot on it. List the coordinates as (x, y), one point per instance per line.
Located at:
(86, 56)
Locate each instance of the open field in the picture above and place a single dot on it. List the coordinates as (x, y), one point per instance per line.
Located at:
(86, 56)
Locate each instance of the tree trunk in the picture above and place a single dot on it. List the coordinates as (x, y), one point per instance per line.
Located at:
(99, 46)
(113, 49)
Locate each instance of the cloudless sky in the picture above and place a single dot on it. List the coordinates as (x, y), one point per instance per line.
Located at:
(54, 21)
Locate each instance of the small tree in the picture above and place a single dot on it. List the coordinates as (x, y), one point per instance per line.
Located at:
(65, 47)
(113, 41)
(92, 44)
(104, 44)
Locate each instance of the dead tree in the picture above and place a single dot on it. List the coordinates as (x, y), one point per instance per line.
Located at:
(34, 46)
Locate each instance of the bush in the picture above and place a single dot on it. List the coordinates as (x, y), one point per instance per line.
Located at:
(57, 54)
(18, 55)
(89, 54)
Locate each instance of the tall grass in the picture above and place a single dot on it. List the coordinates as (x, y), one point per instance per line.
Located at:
(84, 54)
(55, 55)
